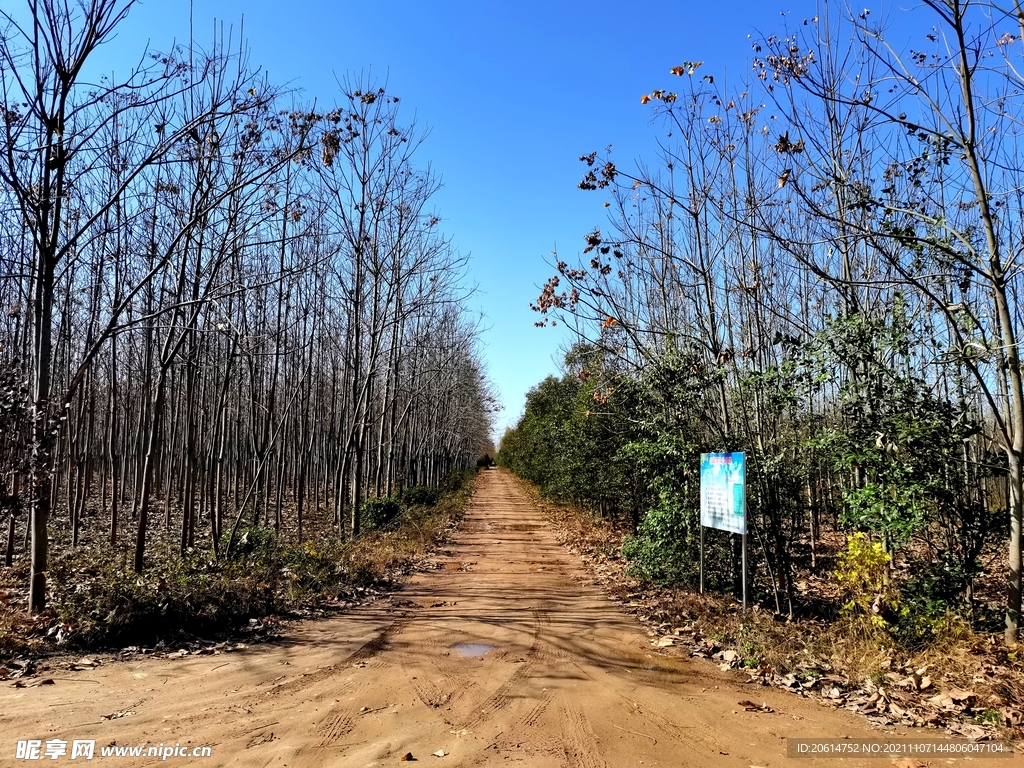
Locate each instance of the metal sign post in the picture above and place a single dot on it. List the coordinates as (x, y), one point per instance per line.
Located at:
(744, 567)
(723, 502)
(702, 559)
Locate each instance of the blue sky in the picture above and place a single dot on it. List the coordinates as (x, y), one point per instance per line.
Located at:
(513, 94)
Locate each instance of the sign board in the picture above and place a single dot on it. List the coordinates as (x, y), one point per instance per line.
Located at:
(723, 491)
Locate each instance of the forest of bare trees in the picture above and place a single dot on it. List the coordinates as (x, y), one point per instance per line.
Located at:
(219, 306)
(821, 267)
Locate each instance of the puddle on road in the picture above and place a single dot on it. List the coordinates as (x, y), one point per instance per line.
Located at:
(472, 649)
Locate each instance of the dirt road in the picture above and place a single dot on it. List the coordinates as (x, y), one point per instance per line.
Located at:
(550, 673)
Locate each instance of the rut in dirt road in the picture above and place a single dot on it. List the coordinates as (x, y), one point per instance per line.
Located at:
(505, 654)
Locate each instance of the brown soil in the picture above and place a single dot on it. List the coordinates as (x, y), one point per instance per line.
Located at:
(569, 680)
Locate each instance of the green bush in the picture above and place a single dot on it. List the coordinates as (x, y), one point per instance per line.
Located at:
(420, 495)
(314, 567)
(456, 480)
(252, 543)
(938, 586)
(379, 514)
(664, 549)
(934, 601)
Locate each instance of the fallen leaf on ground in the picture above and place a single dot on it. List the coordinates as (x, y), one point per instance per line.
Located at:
(752, 707)
(118, 715)
(967, 730)
(1013, 717)
(407, 757)
(34, 683)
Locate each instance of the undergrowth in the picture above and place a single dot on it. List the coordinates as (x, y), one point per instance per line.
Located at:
(96, 603)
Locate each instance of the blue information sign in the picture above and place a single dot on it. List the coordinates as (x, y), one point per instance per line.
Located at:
(723, 491)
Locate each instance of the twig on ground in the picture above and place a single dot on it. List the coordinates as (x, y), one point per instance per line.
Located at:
(635, 733)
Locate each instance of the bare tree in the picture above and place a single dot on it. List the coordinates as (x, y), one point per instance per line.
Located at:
(74, 155)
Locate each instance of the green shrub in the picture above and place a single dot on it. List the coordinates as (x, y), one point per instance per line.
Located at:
(429, 495)
(457, 479)
(314, 567)
(380, 513)
(990, 716)
(253, 543)
(664, 549)
(420, 495)
(938, 586)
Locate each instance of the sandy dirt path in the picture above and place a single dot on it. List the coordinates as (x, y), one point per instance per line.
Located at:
(568, 680)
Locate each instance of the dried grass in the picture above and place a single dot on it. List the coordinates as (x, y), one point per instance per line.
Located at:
(19, 632)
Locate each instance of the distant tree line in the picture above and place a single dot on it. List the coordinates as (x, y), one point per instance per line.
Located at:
(822, 268)
(218, 305)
